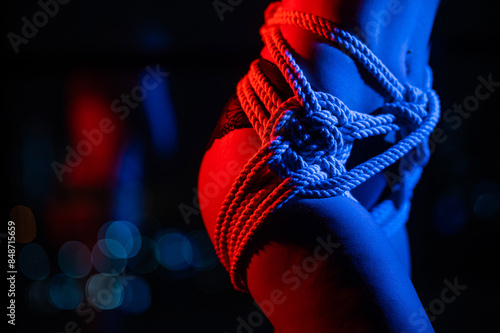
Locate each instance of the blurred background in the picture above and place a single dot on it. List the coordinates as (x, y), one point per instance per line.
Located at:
(109, 106)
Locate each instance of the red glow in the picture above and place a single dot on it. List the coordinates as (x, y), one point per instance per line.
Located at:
(95, 133)
(81, 204)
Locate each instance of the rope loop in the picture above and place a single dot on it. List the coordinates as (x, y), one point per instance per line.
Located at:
(307, 139)
(305, 143)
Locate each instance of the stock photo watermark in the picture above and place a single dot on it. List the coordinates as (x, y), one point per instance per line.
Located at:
(292, 278)
(382, 18)
(452, 117)
(31, 26)
(437, 306)
(121, 107)
(220, 180)
(11, 272)
(97, 302)
(223, 6)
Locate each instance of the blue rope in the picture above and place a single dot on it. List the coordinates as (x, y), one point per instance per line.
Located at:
(312, 140)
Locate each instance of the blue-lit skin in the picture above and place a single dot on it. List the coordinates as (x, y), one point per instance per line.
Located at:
(355, 242)
(364, 283)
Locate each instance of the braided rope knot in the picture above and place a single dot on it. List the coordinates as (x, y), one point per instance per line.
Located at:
(411, 110)
(312, 146)
(307, 139)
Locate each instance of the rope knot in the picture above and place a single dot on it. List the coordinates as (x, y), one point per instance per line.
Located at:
(307, 139)
(311, 144)
(411, 110)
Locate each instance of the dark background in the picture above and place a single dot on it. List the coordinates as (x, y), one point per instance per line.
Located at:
(455, 217)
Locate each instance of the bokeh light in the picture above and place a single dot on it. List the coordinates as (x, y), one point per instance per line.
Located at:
(74, 259)
(65, 292)
(486, 196)
(105, 264)
(137, 295)
(38, 298)
(119, 239)
(25, 224)
(174, 250)
(204, 256)
(154, 37)
(33, 262)
(104, 291)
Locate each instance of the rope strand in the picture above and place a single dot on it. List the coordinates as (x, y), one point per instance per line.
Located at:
(307, 139)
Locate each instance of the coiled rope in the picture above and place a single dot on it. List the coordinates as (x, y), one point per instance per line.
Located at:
(307, 139)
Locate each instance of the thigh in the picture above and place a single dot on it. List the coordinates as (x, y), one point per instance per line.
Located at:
(324, 265)
(400, 242)
(316, 264)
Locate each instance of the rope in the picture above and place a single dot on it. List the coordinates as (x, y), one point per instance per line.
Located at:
(307, 139)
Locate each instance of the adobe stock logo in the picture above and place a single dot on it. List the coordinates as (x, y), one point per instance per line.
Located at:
(225, 6)
(39, 19)
(437, 306)
(292, 278)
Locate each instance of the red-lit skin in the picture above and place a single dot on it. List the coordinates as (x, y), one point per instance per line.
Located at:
(346, 292)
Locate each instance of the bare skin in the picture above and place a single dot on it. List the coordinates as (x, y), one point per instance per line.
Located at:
(364, 284)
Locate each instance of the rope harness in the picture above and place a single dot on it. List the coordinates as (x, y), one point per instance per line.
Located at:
(307, 139)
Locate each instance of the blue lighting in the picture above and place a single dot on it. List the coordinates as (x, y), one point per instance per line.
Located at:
(129, 192)
(104, 263)
(65, 292)
(33, 262)
(174, 251)
(104, 291)
(161, 117)
(137, 296)
(121, 239)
